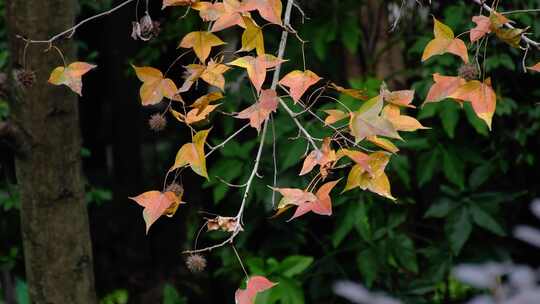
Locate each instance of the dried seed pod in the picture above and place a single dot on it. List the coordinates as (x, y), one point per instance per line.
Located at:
(195, 263)
(157, 122)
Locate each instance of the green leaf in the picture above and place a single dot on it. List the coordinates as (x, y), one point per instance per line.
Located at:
(21, 292)
(458, 229)
(367, 263)
(478, 124)
(428, 163)
(403, 251)
(441, 208)
(294, 265)
(287, 291)
(345, 223)
(454, 168)
(480, 175)
(171, 295)
(485, 220)
(350, 33)
(449, 114)
(363, 226)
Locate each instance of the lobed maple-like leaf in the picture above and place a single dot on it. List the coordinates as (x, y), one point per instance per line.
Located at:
(445, 42)
(299, 82)
(255, 285)
(319, 203)
(374, 179)
(367, 121)
(261, 110)
(256, 67)
(201, 42)
(211, 74)
(156, 204)
(192, 154)
(324, 157)
(223, 14)
(443, 87)
(481, 96)
(252, 38)
(270, 10)
(401, 122)
(71, 75)
(155, 86)
(483, 27)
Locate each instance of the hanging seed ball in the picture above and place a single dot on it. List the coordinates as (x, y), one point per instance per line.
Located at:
(175, 188)
(25, 78)
(468, 72)
(157, 122)
(195, 263)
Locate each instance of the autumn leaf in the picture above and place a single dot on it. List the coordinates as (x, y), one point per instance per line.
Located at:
(201, 42)
(443, 87)
(211, 74)
(167, 3)
(298, 82)
(252, 38)
(400, 98)
(324, 157)
(71, 75)
(481, 96)
(319, 203)
(367, 121)
(374, 180)
(194, 115)
(261, 110)
(256, 67)
(204, 101)
(383, 143)
(270, 10)
(535, 67)
(354, 93)
(334, 116)
(192, 154)
(401, 122)
(444, 42)
(156, 204)
(511, 36)
(483, 27)
(255, 285)
(155, 86)
(223, 14)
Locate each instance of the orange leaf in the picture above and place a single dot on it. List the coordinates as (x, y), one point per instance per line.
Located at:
(155, 205)
(298, 82)
(444, 42)
(257, 67)
(71, 75)
(535, 67)
(443, 87)
(483, 27)
(323, 157)
(401, 122)
(354, 93)
(192, 154)
(255, 285)
(211, 74)
(399, 98)
(270, 10)
(481, 96)
(334, 116)
(224, 14)
(201, 42)
(155, 86)
(261, 110)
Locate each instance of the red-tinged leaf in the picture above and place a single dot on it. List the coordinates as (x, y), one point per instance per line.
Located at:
(155, 204)
(481, 96)
(294, 197)
(224, 14)
(299, 82)
(444, 42)
(270, 10)
(358, 157)
(400, 98)
(483, 27)
(334, 116)
(252, 38)
(201, 42)
(261, 110)
(443, 87)
(322, 205)
(257, 67)
(535, 67)
(192, 154)
(367, 121)
(167, 3)
(401, 122)
(255, 285)
(324, 157)
(71, 75)
(155, 86)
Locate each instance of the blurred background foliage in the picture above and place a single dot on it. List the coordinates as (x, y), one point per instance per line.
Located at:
(460, 188)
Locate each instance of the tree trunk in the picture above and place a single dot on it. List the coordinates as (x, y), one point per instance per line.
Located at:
(54, 220)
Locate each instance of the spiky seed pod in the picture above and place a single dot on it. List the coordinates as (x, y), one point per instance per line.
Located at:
(176, 189)
(195, 263)
(468, 72)
(25, 78)
(157, 122)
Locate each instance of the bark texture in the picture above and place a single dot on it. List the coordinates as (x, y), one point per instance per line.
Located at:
(54, 220)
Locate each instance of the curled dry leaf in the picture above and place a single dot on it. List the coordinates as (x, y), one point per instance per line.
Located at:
(155, 86)
(261, 110)
(256, 67)
(223, 223)
(444, 42)
(354, 93)
(71, 75)
(299, 82)
(201, 42)
(325, 158)
(167, 3)
(156, 204)
(255, 285)
(192, 154)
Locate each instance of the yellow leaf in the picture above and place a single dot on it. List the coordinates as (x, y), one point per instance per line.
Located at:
(155, 86)
(401, 122)
(444, 42)
(383, 143)
(252, 38)
(334, 116)
(71, 75)
(374, 180)
(201, 42)
(193, 154)
(354, 93)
